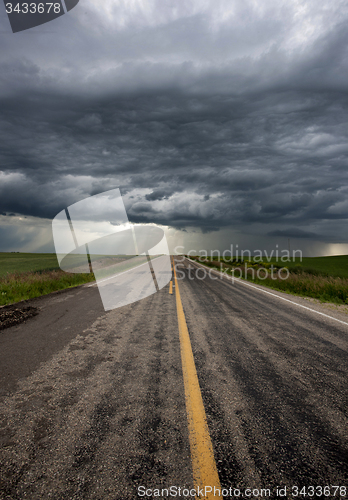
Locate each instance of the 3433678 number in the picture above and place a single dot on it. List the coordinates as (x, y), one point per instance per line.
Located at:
(319, 491)
(33, 8)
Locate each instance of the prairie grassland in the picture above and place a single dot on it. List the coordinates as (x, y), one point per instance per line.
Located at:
(15, 287)
(28, 275)
(326, 279)
(11, 262)
(324, 288)
(334, 265)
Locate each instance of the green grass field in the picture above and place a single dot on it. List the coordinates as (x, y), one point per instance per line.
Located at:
(27, 262)
(323, 278)
(336, 266)
(25, 276)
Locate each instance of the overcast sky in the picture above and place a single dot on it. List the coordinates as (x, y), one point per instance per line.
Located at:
(223, 120)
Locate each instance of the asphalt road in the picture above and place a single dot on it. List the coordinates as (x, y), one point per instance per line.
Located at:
(93, 402)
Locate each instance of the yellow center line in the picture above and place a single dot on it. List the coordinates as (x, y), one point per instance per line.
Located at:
(205, 474)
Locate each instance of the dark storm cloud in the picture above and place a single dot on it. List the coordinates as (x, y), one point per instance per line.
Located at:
(158, 195)
(13, 238)
(293, 232)
(201, 123)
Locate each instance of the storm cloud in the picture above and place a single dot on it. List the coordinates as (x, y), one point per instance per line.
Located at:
(208, 115)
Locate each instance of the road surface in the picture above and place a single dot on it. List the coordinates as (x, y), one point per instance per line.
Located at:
(93, 402)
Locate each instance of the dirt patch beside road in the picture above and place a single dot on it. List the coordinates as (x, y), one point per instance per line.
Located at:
(12, 315)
